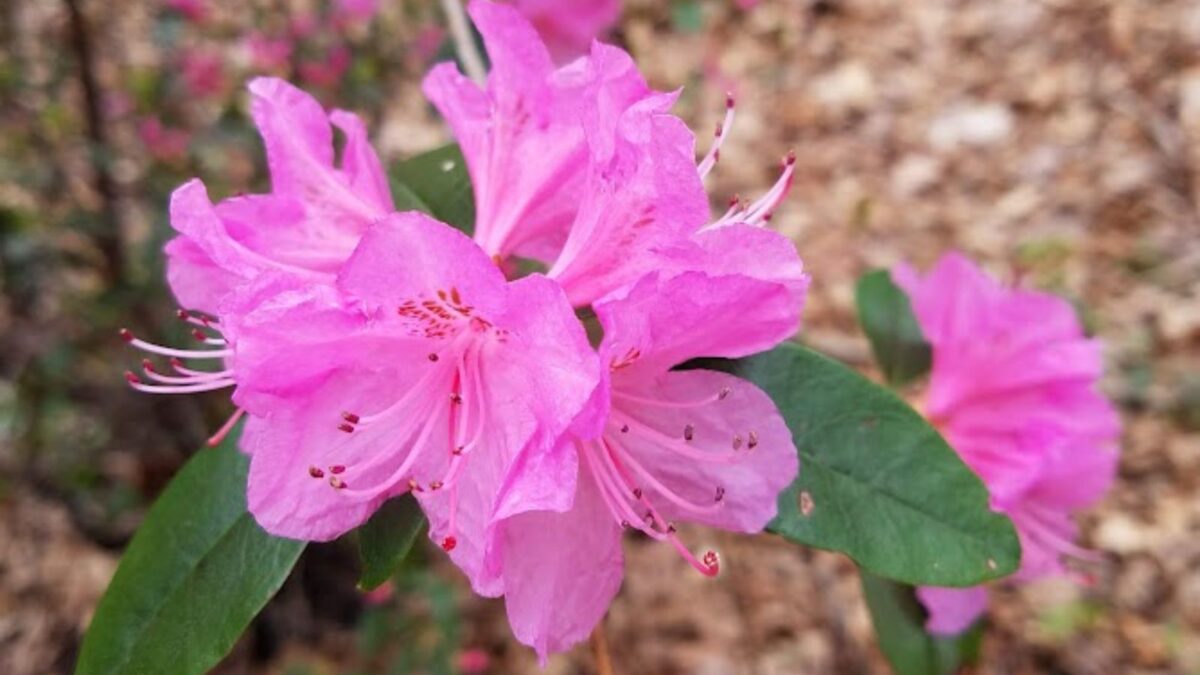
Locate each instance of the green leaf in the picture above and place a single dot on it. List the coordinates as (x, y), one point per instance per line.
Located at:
(876, 481)
(385, 540)
(899, 622)
(437, 183)
(196, 573)
(887, 318)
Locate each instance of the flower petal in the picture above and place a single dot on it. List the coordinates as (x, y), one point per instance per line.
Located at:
(561, 571)
(952, 610)
(663, 321)
(733, 423)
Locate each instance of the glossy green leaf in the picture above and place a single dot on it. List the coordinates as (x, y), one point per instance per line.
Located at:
(196, 573)
(876, 481)
(900, 628)
(888, 320)
(440, 184)
(385, 540)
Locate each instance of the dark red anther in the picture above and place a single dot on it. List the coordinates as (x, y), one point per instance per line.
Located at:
(315, 472)
(199, 334)
(791, 158)
(337, 483)
(337, 468)
(720, 493)
(752, 441)
(126, 335)
(717, 155)
(414, 486)
(724, 393)
(455, 397)
(176, 362)
(624, 428)
(131, 377)
(712, 562)
(458, 450)
(637, 493)
(148, 365)
(346, 428)
(182, 314)
(735, 200)
(454, 296)
(729, 99)
(433, 357)
(436, 485)
(449, 543)
(718, 132)
(689, 432)
(350, 417)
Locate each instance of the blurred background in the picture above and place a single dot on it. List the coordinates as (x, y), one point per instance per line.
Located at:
(1057, 141)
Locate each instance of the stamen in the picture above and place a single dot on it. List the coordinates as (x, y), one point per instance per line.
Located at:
(722, 132)
(449, 543)
(315, 472)
(679, 447)
(215, 439)
(660, 403)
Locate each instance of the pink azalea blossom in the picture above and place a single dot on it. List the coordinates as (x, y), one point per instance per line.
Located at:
(1013, 389)
(202, 73)
(569, 26)
(584, 169)
(435, 376)
(304, 229)
(676, 445)
(355, 10)
(268, 54)
(164, 143)
(328, 71)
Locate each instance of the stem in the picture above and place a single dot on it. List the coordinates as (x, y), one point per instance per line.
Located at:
(464, 42)
(600, 652)
(109, 237)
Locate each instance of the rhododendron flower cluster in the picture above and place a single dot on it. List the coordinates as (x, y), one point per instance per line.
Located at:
(1013, 389)
(376, 353)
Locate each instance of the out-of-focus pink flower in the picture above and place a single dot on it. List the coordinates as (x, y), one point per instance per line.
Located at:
(192, 10)
(569, 26)
(676, 445)
(202, 72)
(164, 143)
(423, 370)
(472, 661)
(1013, 389)
(229, 257)
(268, 54)
(355, 10)
(429, 41)
(327, 72)
(304, 25)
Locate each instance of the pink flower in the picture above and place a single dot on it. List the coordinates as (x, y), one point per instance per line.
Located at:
(164, 143)
(1013, 389)
(434, 376)
(522, 134)
(569, 26)
(584, 169)
(328, 71)
(268, 54)
(192, 10)
(355, 10)
(676, 445)
(303, 230)
(202, 72)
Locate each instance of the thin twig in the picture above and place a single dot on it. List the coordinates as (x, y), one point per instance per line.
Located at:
(600, 650)
(464, 42)
(109, 237)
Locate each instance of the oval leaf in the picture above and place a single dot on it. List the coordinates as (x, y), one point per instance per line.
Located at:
(888, 320)
(876, 481)
(196, 573)
(899, 623)
(385, 540)
(440, 184)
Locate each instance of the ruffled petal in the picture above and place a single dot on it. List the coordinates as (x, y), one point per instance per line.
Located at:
(663, 321)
